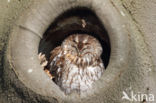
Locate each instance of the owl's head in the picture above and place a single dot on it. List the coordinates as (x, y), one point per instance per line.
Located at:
(82, 45)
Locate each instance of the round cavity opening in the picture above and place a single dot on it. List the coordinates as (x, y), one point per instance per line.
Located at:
(78, 20)
(42, 21)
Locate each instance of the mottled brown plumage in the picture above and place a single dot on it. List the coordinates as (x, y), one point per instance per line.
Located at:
(76, 63)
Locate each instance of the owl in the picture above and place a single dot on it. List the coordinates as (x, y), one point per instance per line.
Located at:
(76, 63)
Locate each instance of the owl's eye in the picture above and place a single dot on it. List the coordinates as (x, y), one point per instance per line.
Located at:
(84, 49)
(86, 43)
(74, 41)
(74, 47)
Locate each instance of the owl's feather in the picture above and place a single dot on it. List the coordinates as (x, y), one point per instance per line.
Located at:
(76, 64)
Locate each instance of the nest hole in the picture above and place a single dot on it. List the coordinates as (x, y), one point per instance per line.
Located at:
(70, 22)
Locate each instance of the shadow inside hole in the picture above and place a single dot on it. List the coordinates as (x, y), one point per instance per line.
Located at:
(70, 22)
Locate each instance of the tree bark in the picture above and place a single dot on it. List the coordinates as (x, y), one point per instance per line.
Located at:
(136, 72)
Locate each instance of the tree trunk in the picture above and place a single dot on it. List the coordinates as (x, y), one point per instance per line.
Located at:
(131, 66)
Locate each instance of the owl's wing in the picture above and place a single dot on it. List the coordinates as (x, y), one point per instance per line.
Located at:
(55, 61)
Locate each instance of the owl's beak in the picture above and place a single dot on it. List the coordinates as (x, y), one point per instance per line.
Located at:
(78, 52)
(80, 46)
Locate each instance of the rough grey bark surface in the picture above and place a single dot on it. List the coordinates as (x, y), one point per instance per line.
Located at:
(140, 62)
(143, 14)
(10, 11)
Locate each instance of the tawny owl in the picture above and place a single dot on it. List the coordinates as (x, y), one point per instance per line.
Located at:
(77, 63)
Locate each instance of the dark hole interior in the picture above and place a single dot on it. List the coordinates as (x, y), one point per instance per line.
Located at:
(70, 22)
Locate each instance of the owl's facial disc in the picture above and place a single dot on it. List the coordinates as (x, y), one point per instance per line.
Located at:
(81, 45)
